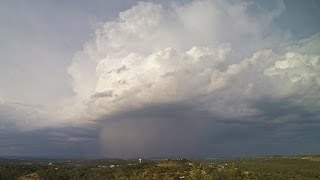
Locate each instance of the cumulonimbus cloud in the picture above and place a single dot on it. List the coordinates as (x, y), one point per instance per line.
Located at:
(153, 54)
(216, 56)
(197, 77)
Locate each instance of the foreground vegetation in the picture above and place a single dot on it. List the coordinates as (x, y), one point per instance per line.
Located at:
(233, 169)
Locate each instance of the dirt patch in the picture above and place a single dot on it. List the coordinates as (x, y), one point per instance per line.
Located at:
(32, 176)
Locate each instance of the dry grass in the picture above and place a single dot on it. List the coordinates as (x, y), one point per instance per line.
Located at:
(32, 176)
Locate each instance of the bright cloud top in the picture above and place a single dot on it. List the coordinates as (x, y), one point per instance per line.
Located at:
(153, 54)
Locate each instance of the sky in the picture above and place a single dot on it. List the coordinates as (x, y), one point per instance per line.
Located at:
(128, 79)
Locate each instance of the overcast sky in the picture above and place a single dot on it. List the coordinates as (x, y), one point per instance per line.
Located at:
(130, 78)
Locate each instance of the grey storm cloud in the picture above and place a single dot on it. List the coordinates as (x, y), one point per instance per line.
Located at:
(194, 78)
(179, 130)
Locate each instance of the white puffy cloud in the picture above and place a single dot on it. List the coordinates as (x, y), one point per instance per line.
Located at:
(297, 77)
(153, 54)
(297, 67)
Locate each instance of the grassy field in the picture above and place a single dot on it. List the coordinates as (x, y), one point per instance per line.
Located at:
(277, 167)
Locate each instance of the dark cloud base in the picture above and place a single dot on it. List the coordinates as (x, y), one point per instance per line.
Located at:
(181, 130)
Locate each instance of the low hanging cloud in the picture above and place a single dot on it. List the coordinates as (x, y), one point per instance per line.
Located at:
(165, 79)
